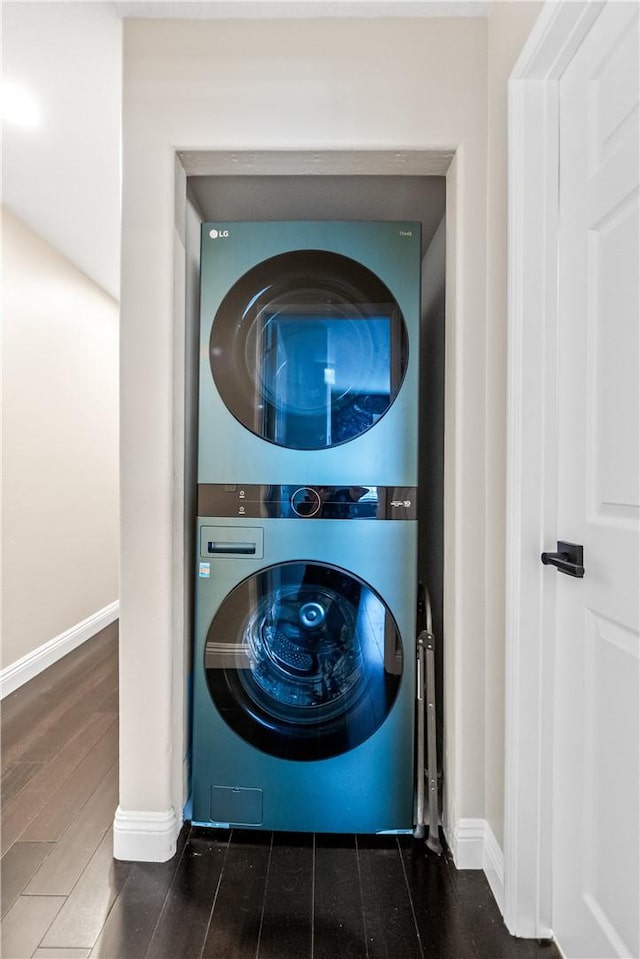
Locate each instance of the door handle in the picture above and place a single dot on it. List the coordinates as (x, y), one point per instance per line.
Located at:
(568, 559)
(247, 549)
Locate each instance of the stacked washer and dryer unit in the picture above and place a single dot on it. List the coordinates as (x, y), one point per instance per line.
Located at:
(305, 590)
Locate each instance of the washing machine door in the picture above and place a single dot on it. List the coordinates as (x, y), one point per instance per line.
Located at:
(308, 349)
(303, 661)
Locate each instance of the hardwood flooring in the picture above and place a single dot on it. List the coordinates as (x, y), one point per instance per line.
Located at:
(224, 895)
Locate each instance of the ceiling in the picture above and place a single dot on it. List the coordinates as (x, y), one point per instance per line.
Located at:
(268, 9)
(62, 176)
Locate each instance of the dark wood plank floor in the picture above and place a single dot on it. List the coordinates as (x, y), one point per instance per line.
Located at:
(238, 895)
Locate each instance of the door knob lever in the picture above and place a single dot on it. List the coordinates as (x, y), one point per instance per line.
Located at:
(568, 559)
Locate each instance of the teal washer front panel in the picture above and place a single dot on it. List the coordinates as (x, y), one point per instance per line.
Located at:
(365, 786)
(386, 453)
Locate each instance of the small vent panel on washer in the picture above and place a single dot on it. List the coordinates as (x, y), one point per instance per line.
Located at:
(236, 805)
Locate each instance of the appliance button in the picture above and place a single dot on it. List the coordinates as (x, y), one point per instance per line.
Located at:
(306, 502)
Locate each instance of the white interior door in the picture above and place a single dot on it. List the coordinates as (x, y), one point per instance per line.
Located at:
(596, 769)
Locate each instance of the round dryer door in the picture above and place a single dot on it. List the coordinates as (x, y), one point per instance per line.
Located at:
(303, 661)
(308, 349)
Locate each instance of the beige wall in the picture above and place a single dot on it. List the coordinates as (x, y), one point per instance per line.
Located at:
(60, 454)
(311, 86)
(367, 85)
(509, 26)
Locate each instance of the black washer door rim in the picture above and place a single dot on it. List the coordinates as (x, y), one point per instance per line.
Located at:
(317, 692)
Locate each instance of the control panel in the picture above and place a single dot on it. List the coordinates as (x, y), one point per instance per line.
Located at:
(307, 502)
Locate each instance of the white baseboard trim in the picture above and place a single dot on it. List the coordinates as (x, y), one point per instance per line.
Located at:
(466, 840)
(144, 836)
(24, 669)
(493, 865)
(474, 846)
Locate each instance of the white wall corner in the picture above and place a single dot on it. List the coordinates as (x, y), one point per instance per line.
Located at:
(25, 668)
(145, 836)
(474, 846)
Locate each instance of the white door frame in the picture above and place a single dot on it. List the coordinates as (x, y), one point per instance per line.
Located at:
(531, 458)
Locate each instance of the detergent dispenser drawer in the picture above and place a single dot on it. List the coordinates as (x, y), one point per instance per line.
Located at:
(232, 541)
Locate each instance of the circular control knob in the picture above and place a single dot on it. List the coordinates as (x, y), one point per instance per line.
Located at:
(312, 615)
(305, 501)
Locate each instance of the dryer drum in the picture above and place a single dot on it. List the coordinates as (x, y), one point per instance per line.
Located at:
(303, 660)
(308, 349)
